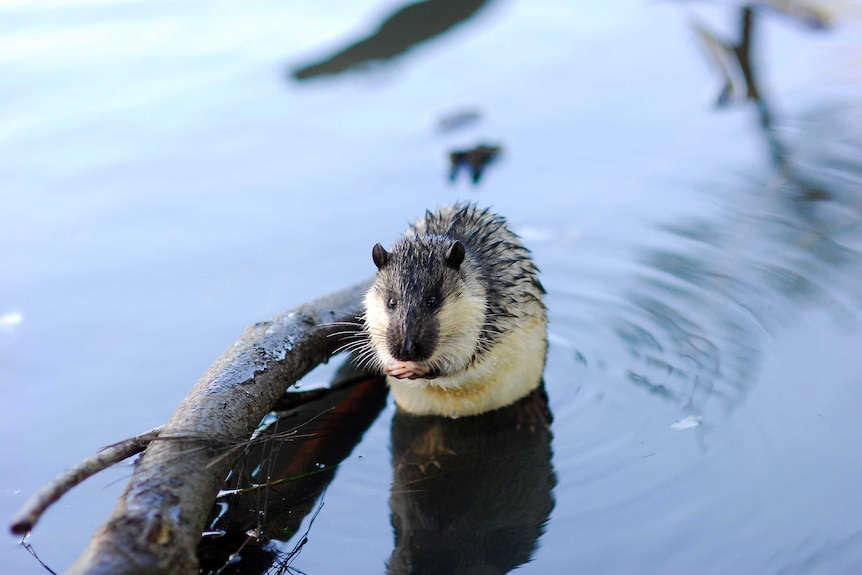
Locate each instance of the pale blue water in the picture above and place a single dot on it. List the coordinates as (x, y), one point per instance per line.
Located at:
(165, 182)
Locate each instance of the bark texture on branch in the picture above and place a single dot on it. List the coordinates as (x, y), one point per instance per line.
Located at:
(157, 523)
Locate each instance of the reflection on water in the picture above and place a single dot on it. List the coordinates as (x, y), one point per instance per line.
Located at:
(471, 495)
(468, 495)
(276, 484)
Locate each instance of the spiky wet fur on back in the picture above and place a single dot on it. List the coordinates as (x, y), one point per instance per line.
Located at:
(503, 266)
(485, 339)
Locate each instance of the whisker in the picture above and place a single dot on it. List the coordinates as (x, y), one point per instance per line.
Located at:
(347, 334)
(354, 346)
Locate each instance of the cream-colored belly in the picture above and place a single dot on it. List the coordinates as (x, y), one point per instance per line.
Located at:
(511, 370)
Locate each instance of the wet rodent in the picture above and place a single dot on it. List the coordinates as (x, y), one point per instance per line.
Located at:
(455, 317)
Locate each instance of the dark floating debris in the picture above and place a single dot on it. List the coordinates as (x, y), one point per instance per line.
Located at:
(474, 160)
(458, 120)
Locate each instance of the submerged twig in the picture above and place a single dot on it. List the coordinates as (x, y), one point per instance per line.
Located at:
(32, 510)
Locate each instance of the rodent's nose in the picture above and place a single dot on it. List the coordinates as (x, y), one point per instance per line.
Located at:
(411, 348)
(408, 350)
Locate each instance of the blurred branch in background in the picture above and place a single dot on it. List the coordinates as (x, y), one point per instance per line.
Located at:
(733, 62)
(788, 239)
(407, 27)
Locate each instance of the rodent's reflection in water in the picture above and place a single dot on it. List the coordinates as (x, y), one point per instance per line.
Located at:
(471, 495)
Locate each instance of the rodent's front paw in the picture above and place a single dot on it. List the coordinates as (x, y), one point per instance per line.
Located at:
(406, 370)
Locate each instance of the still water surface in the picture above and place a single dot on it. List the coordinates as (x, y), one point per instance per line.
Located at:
(169, 177)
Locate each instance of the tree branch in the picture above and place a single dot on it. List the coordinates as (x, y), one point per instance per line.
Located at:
(157, 523)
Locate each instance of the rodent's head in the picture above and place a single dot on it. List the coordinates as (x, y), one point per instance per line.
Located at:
(425, 312)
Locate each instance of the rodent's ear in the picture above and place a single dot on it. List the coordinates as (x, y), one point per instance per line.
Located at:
(455, 255)
(379, 255)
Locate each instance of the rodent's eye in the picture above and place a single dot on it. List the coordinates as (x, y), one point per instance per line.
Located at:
(432, 301)
(392, 303)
